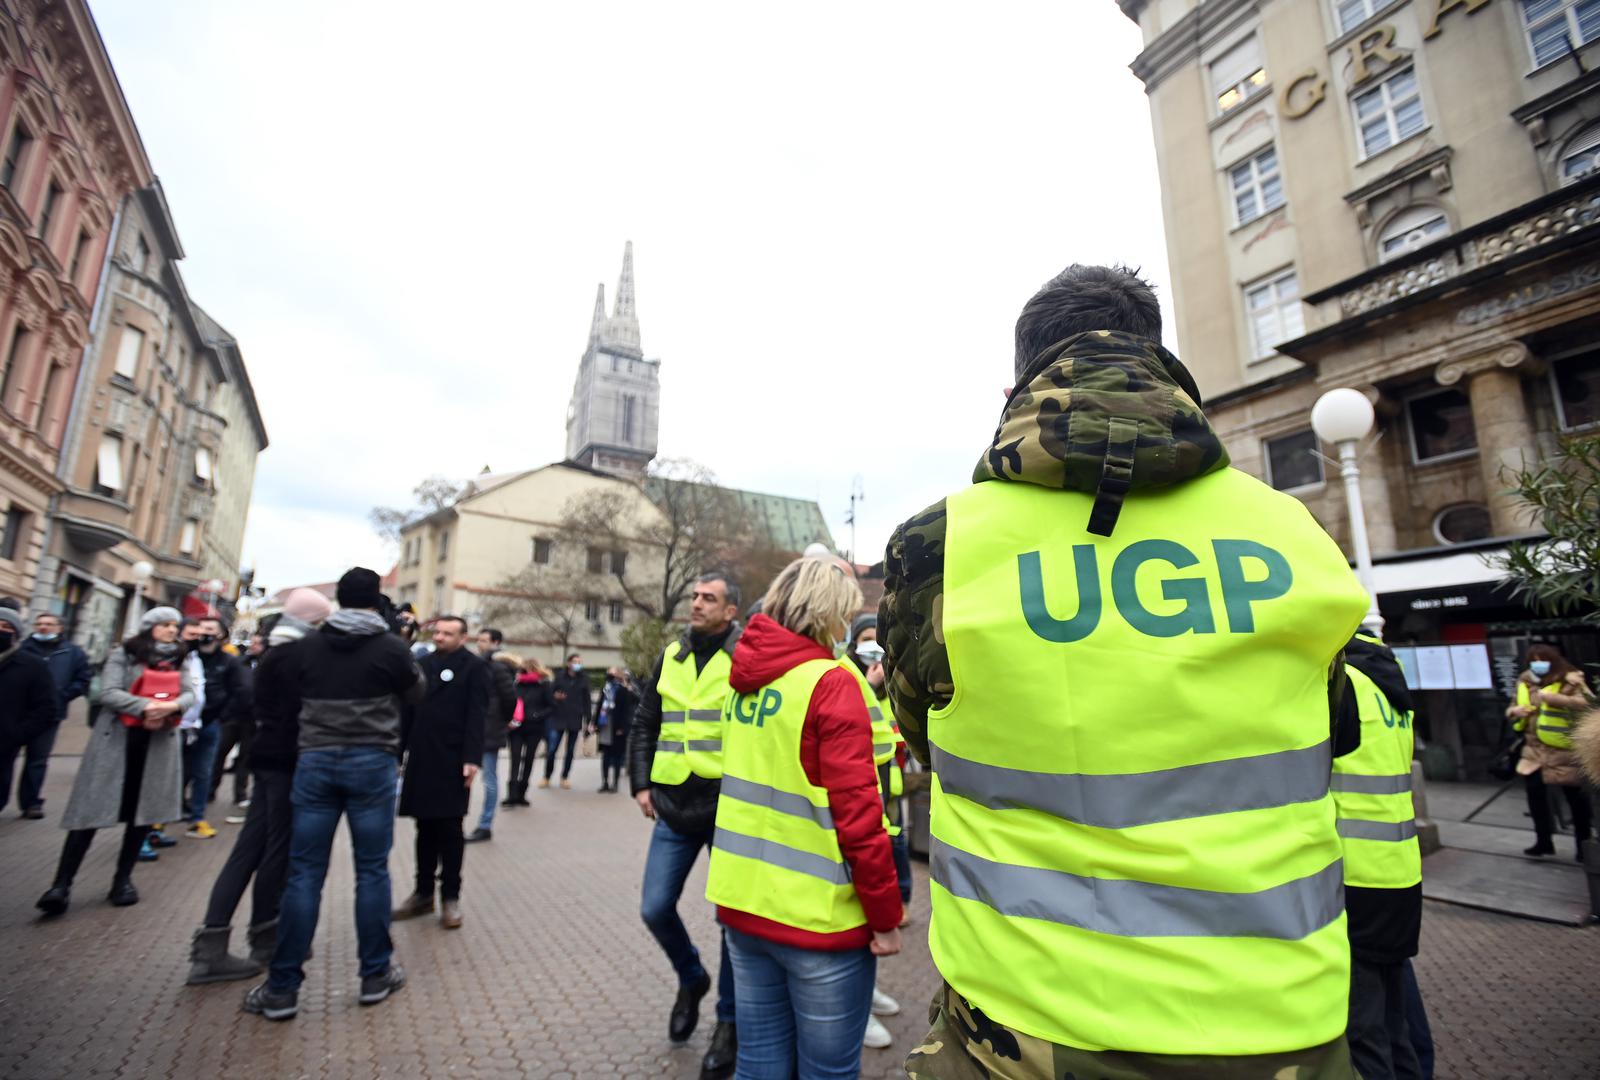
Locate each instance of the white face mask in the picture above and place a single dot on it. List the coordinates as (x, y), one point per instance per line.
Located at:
(1540, 668)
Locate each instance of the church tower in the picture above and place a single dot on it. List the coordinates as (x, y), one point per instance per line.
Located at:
(616, 400)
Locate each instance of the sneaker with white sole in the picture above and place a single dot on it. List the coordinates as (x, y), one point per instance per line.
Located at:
(877, 1036)
(883, 1004)
(374, 988)
(201, 830)
(262, 1001)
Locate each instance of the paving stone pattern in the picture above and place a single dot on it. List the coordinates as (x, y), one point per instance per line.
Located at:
(553, 974)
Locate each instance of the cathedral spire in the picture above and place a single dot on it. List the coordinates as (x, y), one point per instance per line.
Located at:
(624, 324)
(597, 327)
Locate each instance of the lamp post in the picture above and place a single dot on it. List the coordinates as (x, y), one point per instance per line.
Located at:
(1344, 417)
(141, 571)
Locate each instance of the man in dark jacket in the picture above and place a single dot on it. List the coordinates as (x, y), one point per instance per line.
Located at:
(227, 697)
(28, 700)
(69, 667)
(353, 674)
(569, 715)
(497, 726)
(683, 803)
(442, 744)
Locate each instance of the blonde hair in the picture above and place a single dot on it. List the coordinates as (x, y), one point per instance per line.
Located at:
(512, 660)
(536, 666)
(812, 597)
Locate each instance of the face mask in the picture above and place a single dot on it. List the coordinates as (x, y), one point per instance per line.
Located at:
(46, 638)
(840, 648)
(576, 668)
(206, 639)
(1540, 668)
(6, 638)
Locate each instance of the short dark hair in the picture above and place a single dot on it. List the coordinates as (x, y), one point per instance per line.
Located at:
(452, 618)
(494, 635)
(730, 588)
(570, 655)
(1079, 300)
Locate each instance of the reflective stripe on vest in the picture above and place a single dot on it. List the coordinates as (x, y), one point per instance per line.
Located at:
(1555, 723)
(885, 739)
(1372, 790)
(690, 741)
(1168, 845)
(774, 852)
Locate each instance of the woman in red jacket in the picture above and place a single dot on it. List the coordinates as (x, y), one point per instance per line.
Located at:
(801, 869)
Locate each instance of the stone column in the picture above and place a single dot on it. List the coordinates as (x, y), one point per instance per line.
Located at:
(1500, 416)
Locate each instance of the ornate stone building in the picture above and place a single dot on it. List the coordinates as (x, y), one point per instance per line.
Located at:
(1401, 196)
(70, 155)
(616, 399)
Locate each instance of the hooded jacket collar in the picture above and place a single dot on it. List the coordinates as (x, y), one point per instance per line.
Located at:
(767, 651)
(1110, 413)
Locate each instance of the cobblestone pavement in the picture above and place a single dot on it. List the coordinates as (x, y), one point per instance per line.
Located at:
(554, 976)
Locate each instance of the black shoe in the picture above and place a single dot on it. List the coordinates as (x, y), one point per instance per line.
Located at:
(55, 900)
(34, 813)
(123, 894)
(263, 1002)
(604, 788)
(686, 1010)
(508, 801)
(722, 1055)
(1543, 847)
(374, 988)
(477, 835)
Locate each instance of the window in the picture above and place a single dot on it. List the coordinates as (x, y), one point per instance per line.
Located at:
(1411, 229)
(52, 387)
(16, 151)
(1578, 390)
(108, 465)
(1390, 112)
(16, 525)
(444, 545)
(186, 538)
(1441, 425)
(19, 345)
(1557, 27)
(1352, 13)
(628, 402)
(1459, 524)
(596, 561)
(128, 350)
(202, 464)
(616, 612)
(52, 197)
(591, 609)
(439, 594)
(141, 254)
(1292, 461)
(1273, 306)
(541, 551)
(1237, 74)
(619, 563)
(1257, 187)
(1581, 157)
(79, 250)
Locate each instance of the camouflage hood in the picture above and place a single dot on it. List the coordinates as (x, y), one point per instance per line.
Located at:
(1111, 413)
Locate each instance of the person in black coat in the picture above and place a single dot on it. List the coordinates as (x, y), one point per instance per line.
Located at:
(69, 667)
(569, 715)
(618, 699)
(28, 697)
(441, 740)
(503, 671)
(525, 735)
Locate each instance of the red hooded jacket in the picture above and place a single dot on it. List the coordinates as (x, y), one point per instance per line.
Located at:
(836, 753)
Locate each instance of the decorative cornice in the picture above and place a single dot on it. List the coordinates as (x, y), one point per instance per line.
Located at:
(1183, 40)
(1508, 356)
(1410, 170)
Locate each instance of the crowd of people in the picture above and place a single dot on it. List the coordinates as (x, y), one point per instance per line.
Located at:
(1171, 832)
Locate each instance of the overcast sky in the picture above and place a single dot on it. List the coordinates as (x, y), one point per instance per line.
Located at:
(402, 211)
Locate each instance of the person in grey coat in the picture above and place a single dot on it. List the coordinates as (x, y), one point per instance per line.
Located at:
(131, 775)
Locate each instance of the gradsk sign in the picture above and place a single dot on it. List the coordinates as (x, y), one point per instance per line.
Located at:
(1307, 90)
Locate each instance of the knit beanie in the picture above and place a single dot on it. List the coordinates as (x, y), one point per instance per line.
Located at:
(359, 588)
(12, 616)
(862, 622)
(158, 615)
(307, 605)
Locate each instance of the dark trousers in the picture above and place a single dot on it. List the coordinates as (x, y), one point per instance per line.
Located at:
(524, 743)
(554, 739)
(36, 758)
(1380, 1036)
(240, 733)
(199, 758)
(261, 852)
(1544, 821)
(611, 758)
(440, 848)
(1417, 1023)
(76, 845)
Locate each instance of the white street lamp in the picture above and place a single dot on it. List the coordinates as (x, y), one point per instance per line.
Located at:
(1344, 417)
(141, 572)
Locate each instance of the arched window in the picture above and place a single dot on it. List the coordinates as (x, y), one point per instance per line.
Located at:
(1411, 229)
(1462, 522)
(1581, 157)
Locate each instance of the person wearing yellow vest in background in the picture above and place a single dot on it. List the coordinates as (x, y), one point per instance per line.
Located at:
(1550, 695)
(801, 870)
(674, 769)
(1120, 659)
(1382, 861)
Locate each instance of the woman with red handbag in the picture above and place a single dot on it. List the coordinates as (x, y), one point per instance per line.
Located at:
(132, 769)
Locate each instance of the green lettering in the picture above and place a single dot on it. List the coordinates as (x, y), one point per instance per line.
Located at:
(1037, 612)
(1384, 710)
(1239, 592)
(1196, 615)
(771, 702)
(745, 716)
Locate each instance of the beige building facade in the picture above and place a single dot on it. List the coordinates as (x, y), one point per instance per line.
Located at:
(1401, 196)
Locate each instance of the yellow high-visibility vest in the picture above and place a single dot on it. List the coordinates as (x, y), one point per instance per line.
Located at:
(690, 741)
(1552, 724)
(775, 853)
(1372, 790)
(1133, 843)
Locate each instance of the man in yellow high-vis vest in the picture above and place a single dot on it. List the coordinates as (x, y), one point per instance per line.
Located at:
(1382, 861)
(1118, 655)
(674, 770)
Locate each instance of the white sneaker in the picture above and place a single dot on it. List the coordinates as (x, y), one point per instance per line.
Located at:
(877, 1036)
(883, 1004)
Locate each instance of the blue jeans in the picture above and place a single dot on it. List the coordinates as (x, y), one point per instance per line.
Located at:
(666, 867)
(199, 758)
(802, 1012)
(491, 788)
(357, 781)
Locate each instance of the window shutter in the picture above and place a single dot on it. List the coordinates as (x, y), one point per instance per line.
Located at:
(108, 466)
(1233, 66)
(1585, 141)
